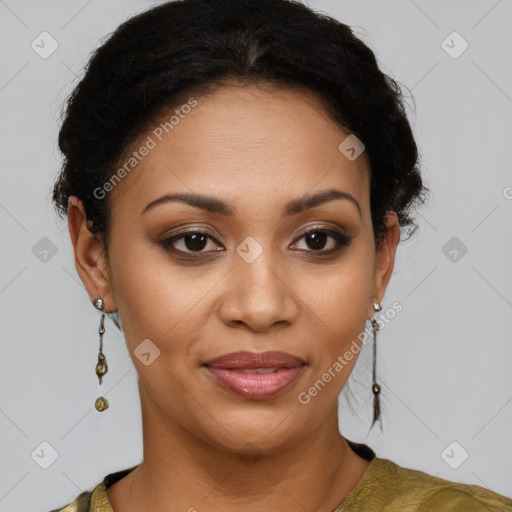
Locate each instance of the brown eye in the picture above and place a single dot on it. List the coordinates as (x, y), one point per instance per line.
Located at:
(317, 239)
(189, 242)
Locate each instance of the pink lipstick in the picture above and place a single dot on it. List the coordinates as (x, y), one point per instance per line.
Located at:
(256, 375)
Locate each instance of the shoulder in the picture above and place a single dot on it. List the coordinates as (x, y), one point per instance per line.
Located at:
(428, 493)
(81, 504)
(97, 499)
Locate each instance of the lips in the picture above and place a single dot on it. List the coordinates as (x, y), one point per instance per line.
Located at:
(256, 375)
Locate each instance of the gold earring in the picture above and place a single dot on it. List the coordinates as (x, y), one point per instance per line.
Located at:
(377, 306)
(101, 367)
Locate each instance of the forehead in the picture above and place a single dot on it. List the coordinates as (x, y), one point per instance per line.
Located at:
(244, 144)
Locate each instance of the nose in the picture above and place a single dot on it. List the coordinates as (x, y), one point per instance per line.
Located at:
(259, 295)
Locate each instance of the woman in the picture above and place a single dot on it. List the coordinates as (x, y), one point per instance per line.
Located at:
(236, 176)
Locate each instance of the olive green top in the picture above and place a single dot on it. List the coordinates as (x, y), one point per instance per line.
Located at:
(384, 487)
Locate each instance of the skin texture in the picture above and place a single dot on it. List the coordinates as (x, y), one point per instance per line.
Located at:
(255, 148)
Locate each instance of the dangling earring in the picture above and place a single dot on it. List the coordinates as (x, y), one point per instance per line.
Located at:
(377, 306)
(101, 368)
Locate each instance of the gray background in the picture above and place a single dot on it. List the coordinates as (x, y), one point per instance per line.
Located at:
(444, 361)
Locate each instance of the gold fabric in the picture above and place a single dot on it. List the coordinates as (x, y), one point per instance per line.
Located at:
(385, 487)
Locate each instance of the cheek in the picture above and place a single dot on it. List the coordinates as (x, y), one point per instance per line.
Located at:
(146, 294)
(341, 306)
(157, 300)
(349, 304)
(343, 295)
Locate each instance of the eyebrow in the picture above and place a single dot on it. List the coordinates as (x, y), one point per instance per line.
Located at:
(214, 205)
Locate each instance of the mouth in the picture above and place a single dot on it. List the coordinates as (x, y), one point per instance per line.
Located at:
(256, 376)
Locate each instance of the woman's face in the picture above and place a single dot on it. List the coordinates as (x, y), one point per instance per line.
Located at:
(249, 281)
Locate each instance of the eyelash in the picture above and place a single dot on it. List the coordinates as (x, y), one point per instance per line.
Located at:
(340, 239)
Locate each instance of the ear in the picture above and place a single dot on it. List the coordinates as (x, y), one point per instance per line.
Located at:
(385, 258)
(90, 259)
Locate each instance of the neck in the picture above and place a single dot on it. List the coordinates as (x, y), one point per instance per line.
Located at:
(180, 471)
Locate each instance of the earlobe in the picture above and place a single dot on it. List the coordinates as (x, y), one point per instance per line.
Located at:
(89, 255)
